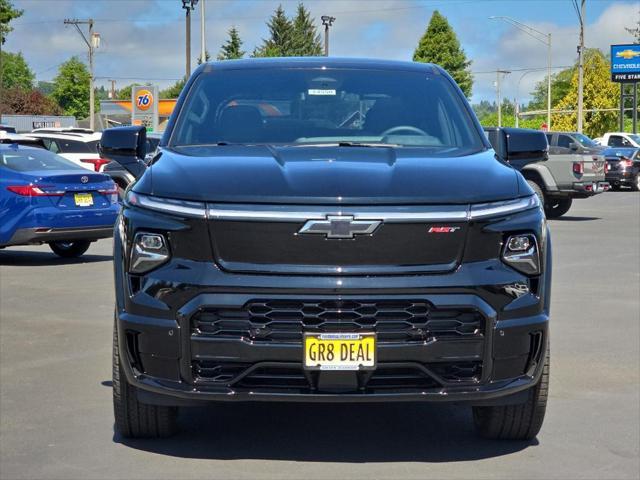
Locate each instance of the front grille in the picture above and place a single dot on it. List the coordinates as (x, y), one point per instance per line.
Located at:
(286, 321)
(277, 247)
(291, 377)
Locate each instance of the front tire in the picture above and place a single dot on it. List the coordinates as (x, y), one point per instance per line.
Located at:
(557, 208)
(132, 418)
(70, 249)
(515, 422)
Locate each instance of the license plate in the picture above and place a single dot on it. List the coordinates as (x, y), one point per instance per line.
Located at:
(83, 199)
(340, 351)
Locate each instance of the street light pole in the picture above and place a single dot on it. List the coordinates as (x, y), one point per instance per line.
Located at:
(188, 5)
(499, 73)
(203, 42)
(549, 83)
(581, 67)
(327, 21)
(543, 38)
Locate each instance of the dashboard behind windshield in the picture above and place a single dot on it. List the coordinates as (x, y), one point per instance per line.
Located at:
(299, 106)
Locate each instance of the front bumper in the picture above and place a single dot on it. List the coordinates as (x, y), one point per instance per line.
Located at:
(162, 353)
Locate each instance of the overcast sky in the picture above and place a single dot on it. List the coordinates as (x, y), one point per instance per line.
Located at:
(143, 40)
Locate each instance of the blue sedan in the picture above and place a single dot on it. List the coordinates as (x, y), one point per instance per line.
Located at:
(45, 198)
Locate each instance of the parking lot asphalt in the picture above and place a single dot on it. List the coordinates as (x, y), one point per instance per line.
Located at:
(55, 385)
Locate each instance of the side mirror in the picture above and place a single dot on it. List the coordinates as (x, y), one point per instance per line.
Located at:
(519, 146)
(126, 146)
(573, 146)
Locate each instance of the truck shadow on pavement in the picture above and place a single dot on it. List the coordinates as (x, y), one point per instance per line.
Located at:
(568, 218)
(40, 259)
(393, 432)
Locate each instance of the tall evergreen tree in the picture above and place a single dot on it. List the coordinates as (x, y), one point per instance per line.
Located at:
(280, 41)
(232, 48)
(306, 40)
(441, 46)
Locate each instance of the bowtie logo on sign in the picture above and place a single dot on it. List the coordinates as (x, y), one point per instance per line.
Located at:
(628, 54)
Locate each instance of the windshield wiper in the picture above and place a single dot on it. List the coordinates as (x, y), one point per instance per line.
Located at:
(348, 144)
(368, 144)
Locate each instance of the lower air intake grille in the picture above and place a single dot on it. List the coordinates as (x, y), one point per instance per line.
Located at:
(292, 377)
(286, 320)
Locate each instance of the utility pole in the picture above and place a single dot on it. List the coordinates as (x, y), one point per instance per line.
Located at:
(93, 42)
(188, 5)
(203, 43)
(581, 16)
(113, 89)
(549, 82)
(327, 21)
(499, 74)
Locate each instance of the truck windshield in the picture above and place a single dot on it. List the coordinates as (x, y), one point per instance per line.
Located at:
(585, 141)
(301, 106)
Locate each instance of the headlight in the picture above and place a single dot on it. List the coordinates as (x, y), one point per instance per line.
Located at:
(521, 252)
(484, 210)
(183, 208)
(149, 251)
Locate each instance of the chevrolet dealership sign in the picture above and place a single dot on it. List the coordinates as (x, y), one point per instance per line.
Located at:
(625, 63)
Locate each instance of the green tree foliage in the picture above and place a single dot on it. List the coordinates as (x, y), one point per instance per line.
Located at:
(15, 71)
(207, 57)
(7, 13)
(560, 86)
(599, 92)
(173, 91)
(102, 93)
(487, 113)
(306, 40)
(125, 92)
(71, 88)
(46, 88)
(232, 48)
(280, 41)
(20, 101)
(441, 46)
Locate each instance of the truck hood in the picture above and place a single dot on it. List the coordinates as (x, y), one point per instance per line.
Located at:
(327, 175)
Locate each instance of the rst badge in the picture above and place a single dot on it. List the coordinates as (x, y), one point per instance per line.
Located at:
(443, 229)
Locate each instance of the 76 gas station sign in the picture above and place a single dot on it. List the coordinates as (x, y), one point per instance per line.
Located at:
(144, 103)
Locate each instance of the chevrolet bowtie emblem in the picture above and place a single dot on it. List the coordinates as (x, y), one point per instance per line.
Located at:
(628, 54)
(339, 226)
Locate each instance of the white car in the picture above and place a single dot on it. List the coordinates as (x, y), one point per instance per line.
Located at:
(79, 145)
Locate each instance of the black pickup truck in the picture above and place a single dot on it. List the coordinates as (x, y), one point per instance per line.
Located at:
(329, 230)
